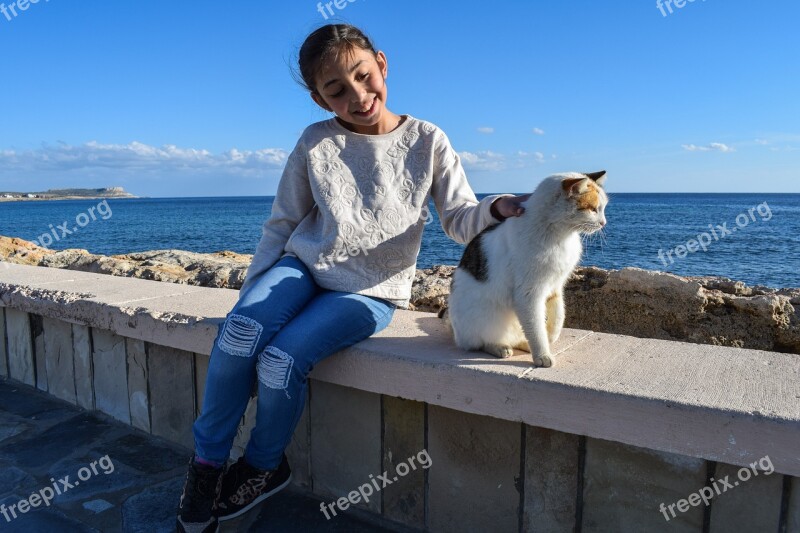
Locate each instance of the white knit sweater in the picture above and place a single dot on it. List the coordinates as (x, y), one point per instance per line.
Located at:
(352, 207)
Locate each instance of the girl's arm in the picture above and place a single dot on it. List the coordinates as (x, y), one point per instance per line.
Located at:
(462, 216)
(293, 201)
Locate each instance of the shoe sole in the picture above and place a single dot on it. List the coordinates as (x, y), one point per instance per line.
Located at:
(255, 502)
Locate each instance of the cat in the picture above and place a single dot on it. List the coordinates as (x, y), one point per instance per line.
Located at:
(507, 290)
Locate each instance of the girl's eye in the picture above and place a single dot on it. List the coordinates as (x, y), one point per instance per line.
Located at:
(338, 94)
(364, 76)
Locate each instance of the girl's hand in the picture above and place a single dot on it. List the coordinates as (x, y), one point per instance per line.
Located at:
(508, 206)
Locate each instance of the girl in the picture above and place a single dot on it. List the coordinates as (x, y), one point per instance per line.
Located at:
(337, 256)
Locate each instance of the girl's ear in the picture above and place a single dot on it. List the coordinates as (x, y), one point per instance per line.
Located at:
(320, 102)
(383, 63)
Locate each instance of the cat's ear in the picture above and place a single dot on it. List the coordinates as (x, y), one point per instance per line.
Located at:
(575, 186)
(598, 177)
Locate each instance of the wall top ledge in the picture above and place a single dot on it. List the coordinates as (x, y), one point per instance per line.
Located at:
(718, 403)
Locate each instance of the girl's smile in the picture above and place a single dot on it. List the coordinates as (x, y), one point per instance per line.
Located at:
(353, 86)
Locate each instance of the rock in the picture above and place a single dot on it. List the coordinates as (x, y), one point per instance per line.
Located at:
(631, 301)
(223, 269)
(21, 252)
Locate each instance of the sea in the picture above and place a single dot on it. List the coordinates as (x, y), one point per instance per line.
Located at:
(754, 238)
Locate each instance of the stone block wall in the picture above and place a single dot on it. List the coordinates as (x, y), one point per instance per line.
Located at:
(483, 474)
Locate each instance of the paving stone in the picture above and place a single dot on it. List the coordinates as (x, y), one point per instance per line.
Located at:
(128, 449)
(551, 480)
(153, 509)
(290, 511)
(82, 361)
(11, 426)
(12, 479)
(3, 350)
(97, 506)
(110, 376)
(20, 347)
(58, 348)
(476, 467)
(49, 446)
(753, 504)
(111, 478)
(44, 519)
(404, 437)
(624, 487)
(346, 422)
(34, 403)
(171, 393)
(135, 497)
(137, 384)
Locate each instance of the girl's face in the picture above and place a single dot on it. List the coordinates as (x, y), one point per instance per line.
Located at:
(354, 87)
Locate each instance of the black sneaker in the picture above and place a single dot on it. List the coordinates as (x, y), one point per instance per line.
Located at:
(196, 510)
(245, 486)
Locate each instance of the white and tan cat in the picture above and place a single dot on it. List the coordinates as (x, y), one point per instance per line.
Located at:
(507, 290)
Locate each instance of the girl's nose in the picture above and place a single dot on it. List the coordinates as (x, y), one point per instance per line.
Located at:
(359, 95)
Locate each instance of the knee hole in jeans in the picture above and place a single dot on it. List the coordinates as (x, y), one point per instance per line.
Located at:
(275, 368)
(240, 335)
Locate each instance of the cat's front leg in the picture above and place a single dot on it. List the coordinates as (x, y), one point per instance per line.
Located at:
(555, 316)
(531, 312)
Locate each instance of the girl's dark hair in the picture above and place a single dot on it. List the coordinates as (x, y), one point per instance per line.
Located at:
(328, 43)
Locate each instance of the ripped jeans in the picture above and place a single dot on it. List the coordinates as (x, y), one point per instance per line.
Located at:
(278, 330)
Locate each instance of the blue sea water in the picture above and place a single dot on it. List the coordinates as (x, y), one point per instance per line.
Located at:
(762, 248)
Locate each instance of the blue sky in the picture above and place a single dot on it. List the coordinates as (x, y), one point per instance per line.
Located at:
(196, 98)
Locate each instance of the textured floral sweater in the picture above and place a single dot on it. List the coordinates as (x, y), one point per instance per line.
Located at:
(352, 207)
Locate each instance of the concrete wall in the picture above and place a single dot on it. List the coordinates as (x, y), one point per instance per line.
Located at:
(622, 434)
(484, 474)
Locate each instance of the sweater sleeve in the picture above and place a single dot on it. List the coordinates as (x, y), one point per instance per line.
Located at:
(293, 201)
(462, 216)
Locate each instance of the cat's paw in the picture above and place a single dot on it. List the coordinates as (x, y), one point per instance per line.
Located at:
(544, 361)
(498, 350)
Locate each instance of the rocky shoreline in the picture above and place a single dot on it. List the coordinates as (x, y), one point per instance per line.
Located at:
(631, 301)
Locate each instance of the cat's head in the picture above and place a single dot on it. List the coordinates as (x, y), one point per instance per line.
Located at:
(578, 201)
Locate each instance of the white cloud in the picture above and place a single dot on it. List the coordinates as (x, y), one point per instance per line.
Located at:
(140, 158)
(486, 129)
(538, 131)
(484, 160)
(711, 147)
(762, 142)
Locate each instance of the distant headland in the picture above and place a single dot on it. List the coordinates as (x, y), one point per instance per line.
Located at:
(66, 194)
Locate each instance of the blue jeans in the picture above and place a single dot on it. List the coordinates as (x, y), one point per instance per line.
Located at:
(278, 330)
